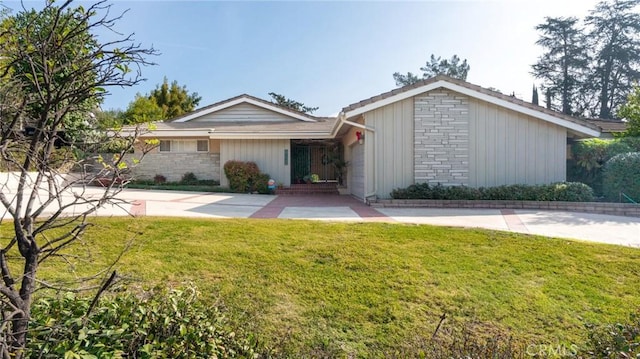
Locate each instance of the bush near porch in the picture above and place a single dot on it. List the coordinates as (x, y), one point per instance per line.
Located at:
(246, 177)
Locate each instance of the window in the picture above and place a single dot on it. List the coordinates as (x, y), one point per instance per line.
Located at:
(203, 146)
(184, 146)
(165, 146)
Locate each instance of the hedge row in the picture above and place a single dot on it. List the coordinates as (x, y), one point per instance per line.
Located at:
(561, 191)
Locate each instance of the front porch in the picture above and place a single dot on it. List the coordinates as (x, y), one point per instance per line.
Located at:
(300, 189)
(316, 162)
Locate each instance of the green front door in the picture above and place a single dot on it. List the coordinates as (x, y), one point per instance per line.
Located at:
(300, 163)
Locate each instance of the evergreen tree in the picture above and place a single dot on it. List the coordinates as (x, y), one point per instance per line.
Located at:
(143, 109)
(562, 65)
(174, 100)
(615, 38)
(436, 66)
(283, 101)
(534, 96)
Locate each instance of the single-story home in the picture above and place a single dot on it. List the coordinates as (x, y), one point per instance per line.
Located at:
(439, 130)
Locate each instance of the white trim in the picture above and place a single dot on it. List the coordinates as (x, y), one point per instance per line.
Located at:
(244, 99)
(478, 95)
(238, 134)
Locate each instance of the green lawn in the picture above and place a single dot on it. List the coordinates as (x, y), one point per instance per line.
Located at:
(367, 288)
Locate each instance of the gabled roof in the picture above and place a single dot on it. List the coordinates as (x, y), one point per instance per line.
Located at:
(244, 98)
(474, 91)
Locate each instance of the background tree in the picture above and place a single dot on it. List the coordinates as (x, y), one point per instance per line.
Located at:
(164, 103)
(615, 38)
(111, 118)
(283, 101)
(143, 109)
(563, 62)
(52, 71)
(174, 100)
(630, 111)
(436, 66)
(534, 96)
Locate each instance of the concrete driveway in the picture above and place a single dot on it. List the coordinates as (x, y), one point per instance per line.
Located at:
(581, 226)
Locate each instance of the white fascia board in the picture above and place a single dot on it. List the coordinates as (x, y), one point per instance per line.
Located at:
(389, 100)
(249, 101)
(478, 95)
(273, 135)
(189, 133)
(522, 109)
(248, 134)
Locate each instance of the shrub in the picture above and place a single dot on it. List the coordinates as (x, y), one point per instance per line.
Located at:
(261, 184)
(241, 175)
(620, 340)
(633, 142)
(163, 324)
(159, 179)
(189, 178)
(622, 174)
(590, 155)
(572, 192)
(562, 191)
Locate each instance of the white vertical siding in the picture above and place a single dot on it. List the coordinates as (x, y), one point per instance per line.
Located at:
(244, 112)
(511, 148)
(389, 151)
(355, 173)
(357, 178)
(267, 154)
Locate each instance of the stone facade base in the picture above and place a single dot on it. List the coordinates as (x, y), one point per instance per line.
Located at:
(206, 166)
(614, 209)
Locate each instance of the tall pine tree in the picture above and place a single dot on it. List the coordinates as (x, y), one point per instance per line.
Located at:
(563, 62)
(615, 38)
(453, 67)
(174, 100)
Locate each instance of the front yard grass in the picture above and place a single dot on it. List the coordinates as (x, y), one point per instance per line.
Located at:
(369, 288)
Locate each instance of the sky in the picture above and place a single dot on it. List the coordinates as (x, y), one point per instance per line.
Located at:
(329, 54)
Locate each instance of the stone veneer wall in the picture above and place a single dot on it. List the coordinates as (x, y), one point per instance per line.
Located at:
(441, 138)
(206, 166)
